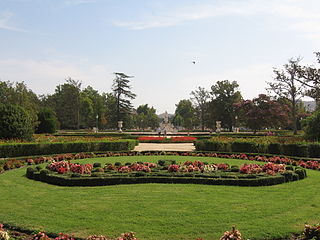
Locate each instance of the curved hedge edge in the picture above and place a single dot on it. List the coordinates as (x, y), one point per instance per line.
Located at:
(105, 181)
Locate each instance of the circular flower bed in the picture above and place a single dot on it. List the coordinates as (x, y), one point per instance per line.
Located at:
(166, 171)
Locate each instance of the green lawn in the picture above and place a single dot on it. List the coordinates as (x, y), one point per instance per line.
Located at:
(160, 211)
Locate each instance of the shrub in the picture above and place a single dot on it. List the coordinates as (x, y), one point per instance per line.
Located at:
(301, 172)
(15, 122)
(312, 232)
(274, 148)
(48, 121)
(30, 171)
(97, 165)
(300, 150)
(314, 150)
(311, 126)
(31, 149)
(238, 146)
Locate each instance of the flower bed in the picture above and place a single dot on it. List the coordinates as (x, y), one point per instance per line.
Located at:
(177, 139)
(72, 174)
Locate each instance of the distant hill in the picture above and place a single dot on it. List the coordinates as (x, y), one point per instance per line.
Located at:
(309, 105)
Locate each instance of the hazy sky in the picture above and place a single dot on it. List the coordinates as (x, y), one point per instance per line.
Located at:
(42, 42)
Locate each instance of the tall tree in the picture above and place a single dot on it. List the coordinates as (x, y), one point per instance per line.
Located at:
(18, 94)
(66, 101)
(309, 76)
(200, 99)
(224, 95)
(123, 94)
(262, 112)
(146, 117)
(287, 84)
(185, 112)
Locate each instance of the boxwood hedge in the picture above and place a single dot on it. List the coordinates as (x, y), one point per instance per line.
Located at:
(31, 149)
(98, 179)
(311, 150)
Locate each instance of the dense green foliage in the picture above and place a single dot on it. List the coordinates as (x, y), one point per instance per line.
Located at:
(15, 122)
(153, 210)
(31, 149)
(254, 146)
(311, 126)
(100, 180)
(48, 121)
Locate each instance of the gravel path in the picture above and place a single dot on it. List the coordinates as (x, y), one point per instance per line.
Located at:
(186, 147)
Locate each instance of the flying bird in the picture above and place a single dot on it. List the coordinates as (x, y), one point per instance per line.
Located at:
(194, 62)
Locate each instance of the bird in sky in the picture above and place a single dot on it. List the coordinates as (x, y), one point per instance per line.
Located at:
(194, 62)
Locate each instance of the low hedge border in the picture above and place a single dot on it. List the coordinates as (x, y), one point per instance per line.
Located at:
(28, 149)
(103, 181)
(310, 150)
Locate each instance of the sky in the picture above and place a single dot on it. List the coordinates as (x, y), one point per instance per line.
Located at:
(43, 42)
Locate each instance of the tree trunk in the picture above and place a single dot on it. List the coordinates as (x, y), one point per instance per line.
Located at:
(294, 117)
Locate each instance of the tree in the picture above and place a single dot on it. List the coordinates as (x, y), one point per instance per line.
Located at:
(66, 103)
(262, 112)
(184, 111)
(121, 89)
(309, 76)
(15, 122)
(48, 121)
(311, 126)
(287, 84)
(224, 96)
(200, 99)
(96, 108)
(18, 94)
(146, 117)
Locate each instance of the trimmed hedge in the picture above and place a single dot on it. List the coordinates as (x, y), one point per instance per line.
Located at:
(31, 149)
(98, 180)
(299, 150)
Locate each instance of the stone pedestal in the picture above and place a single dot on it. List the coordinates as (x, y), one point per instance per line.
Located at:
(120, 126)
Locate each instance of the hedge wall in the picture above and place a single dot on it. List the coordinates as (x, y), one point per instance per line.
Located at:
(102, 181)
(298, 150)
(32, 149)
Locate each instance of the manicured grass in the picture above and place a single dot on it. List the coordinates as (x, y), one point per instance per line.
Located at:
(160, 211)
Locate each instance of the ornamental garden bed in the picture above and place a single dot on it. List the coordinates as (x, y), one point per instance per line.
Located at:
(153, 210)
(176, 139)
(65, 173)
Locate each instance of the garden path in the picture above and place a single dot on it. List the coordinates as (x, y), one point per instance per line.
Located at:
(185, 147)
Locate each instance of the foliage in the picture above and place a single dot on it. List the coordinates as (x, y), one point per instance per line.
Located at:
(92, 204)
(224, 96)
(48, 121)
(15, 122)
(31, 149)
(312, 232)
(123, 94)
(3, 234)
(166, 139)
(262, 112)
(66, 103)
(234, 234)
(18, 94)
(287, 84)
(146, 117)
(184, 114)
(311, 126)
(200, 99)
